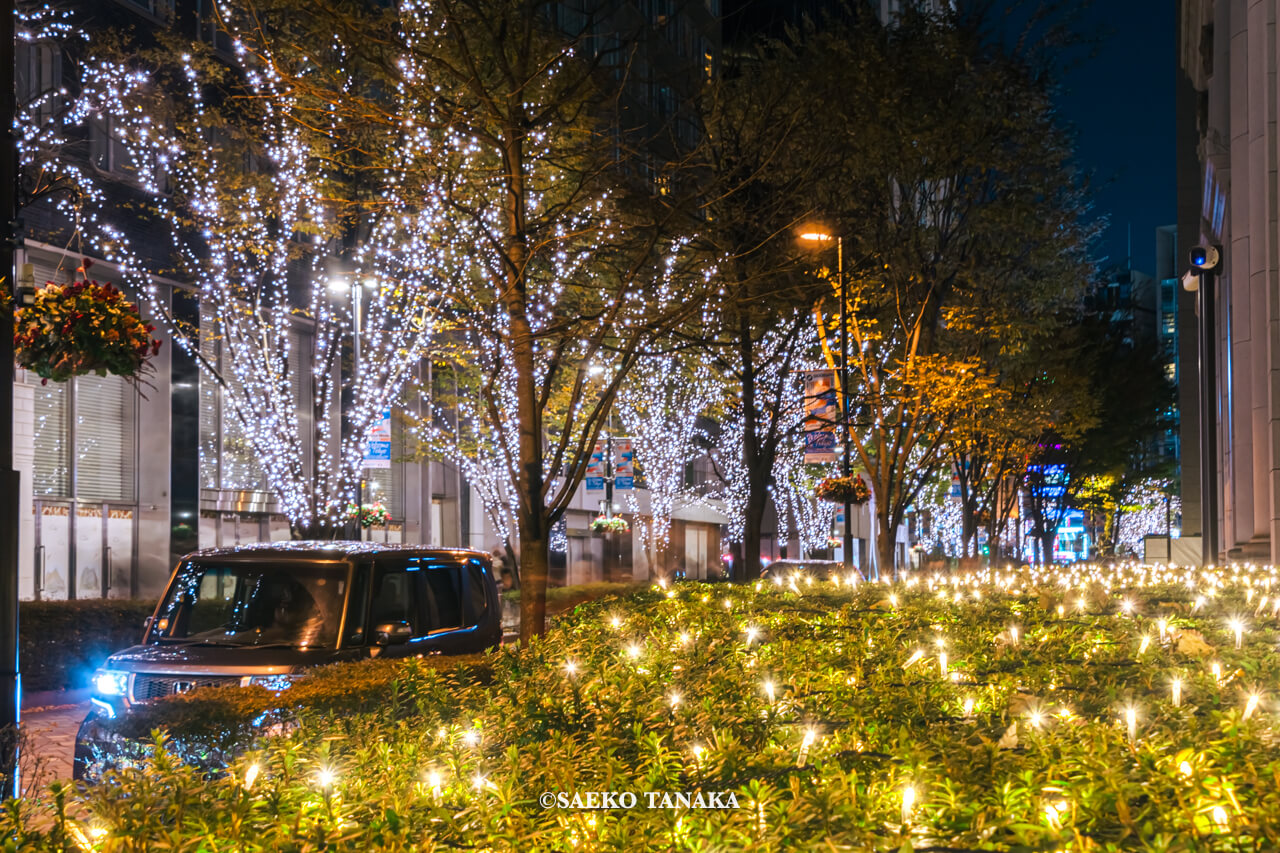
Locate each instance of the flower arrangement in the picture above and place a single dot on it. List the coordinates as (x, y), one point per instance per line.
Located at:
(615, 524)
(853, 489)
(81, 328)
(370, 515)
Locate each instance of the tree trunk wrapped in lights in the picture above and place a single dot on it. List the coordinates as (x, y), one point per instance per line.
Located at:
(659, 408)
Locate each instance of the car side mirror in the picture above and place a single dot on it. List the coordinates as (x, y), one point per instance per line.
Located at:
(392, 633)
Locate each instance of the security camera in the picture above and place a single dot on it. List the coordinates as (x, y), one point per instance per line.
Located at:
(1205, 258)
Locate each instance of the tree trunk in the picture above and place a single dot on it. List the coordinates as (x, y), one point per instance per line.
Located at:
(884, 545)
(533, 590)
(756, 497)
(1046, 547)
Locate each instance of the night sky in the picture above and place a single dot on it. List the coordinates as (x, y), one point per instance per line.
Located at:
(1121, 104)
(1119, 100)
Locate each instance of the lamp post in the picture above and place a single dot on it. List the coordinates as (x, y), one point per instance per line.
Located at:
(1206, 261)
(10, 239)
(814, 235)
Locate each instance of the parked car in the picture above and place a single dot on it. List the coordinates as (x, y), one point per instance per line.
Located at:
(265, 614)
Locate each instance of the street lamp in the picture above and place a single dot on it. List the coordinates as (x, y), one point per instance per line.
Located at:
(821, 237)
(352, 285)
(1206, 262)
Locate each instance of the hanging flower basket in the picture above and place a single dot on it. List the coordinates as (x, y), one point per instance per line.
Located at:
(616, 524)
(81, 328)
(370, 515)
(840, 489)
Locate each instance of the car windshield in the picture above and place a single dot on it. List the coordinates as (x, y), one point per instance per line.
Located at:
(253, 604)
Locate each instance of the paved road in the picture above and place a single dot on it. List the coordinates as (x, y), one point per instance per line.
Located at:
(49, 743)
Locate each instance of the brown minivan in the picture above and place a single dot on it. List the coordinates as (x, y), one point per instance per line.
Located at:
(265, 614)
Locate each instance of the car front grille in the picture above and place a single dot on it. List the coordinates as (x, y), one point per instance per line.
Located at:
(147, 687)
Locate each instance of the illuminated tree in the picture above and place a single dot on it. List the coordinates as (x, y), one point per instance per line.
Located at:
(243, 182)
(764, 426)
(660, 407)
(960, 214)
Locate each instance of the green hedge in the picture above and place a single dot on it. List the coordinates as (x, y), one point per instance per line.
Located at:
(562, 598)
(817, 708)
(62, 642)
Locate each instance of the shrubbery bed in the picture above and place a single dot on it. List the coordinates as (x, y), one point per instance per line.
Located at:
(828, 715)
(62, 642)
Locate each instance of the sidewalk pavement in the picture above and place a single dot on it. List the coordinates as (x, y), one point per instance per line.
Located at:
(50, 720)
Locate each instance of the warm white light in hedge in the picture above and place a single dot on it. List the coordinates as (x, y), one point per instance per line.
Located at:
(1220, 817)
(471, 737)
(1127, 606)
(1216, 669)
(570, 668)
(1035, 718)
(1175, 687)
(634, 651)
(809, 737)
(1185, 769)
(968, 706)
(915, 656)
(1237, 627)
(1144, 644)
(728, 604)
(478, 782)
(1251, 705)
(615, 621)
(1131, 722)
(684, 638)
(674, 698)
(1163, 626)
(768, 691)
(1198, 603)
(752, 633)
(908, 803)
(893, 599)
(942, 664)
(1051, 815)
(1062, 611)
(325, 778)
(251, 775)
(777, 580)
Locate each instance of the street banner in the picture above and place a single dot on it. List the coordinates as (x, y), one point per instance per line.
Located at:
(624, 469)
(377, 449)
(595, 469)
(821, 415)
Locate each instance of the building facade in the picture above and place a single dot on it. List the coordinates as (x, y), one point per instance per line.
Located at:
(1228, 61)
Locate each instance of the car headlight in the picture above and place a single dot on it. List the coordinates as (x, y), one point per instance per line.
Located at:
(273, 682)
(111, 682)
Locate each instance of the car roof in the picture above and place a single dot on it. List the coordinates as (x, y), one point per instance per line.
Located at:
(330, 550)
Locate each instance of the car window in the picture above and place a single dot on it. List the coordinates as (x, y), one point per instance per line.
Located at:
(476, 587)
(444, 597)
(395, 597)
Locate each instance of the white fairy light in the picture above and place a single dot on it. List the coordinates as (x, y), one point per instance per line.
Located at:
(251, 775)
(908, 803)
